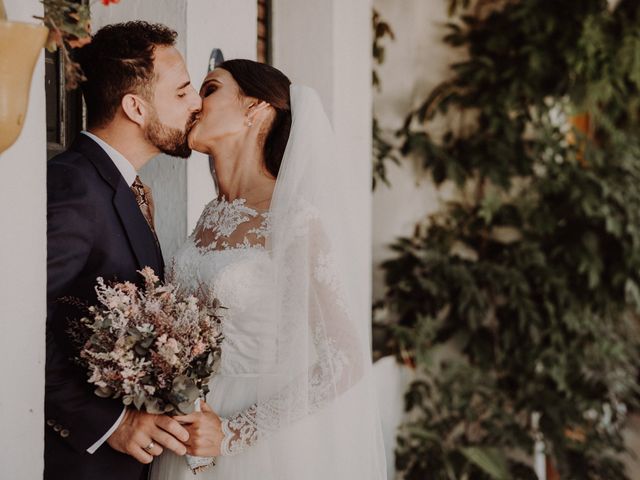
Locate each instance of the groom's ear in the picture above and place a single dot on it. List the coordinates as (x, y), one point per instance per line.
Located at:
(134, 108)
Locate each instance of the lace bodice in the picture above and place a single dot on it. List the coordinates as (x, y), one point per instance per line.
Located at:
(227, 253)
(226, 225)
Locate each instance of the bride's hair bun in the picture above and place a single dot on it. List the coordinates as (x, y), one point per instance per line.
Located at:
(269, 84)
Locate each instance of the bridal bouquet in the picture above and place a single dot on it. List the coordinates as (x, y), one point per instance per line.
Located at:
(153, 347)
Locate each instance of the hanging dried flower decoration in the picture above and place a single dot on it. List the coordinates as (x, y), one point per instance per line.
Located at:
(69, 25)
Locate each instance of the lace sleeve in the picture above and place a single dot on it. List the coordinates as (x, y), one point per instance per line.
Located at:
(338, 365)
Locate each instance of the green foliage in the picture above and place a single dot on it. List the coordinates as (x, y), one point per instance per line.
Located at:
(382, 150)
(524, 298)
(381, 29)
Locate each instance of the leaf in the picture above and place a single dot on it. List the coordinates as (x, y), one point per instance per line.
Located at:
(139, 400)
(154, 406)
(633, 293)
(464, 251)
(103, 392)
(490, 460)
(505, 234)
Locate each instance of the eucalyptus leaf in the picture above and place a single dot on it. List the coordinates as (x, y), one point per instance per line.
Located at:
(104, 392)
(154, 406)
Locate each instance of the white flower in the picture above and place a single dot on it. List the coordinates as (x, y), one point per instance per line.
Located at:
(168, 351)
(150, 389)
(173, 345)
(153, 306)
(145, 328)
(96, 378)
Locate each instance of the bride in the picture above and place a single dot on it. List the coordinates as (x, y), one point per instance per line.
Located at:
(280, 248)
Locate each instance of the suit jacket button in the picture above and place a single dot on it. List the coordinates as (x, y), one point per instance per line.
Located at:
(57, 428)
(51, 423)
(64, 433)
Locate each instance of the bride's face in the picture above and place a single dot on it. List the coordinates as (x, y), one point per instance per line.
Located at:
(223, 112)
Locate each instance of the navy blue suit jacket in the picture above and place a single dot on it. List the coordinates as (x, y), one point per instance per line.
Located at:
(94, 229)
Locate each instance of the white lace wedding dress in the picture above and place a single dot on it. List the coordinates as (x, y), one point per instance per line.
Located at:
(226, 253)
(294, 388)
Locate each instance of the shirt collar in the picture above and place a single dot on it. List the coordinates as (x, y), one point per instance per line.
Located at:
(122, 164)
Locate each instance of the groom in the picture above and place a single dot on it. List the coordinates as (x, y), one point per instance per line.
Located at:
(140, 102)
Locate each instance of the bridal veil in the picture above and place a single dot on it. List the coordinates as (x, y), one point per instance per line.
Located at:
(316, 410)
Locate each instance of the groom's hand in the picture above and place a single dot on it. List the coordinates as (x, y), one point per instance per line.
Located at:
(205, 432)
(143, 435)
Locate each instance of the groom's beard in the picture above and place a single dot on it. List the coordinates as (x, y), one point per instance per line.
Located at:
(169, 140)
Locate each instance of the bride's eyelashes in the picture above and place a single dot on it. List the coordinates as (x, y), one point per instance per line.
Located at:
(208, 90)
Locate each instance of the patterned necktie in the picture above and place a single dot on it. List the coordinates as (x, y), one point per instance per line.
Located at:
(145, 201)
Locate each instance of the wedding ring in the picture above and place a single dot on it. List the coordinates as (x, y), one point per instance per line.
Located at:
(149, 447)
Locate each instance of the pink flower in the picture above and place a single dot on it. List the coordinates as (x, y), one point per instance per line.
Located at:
(198, 348)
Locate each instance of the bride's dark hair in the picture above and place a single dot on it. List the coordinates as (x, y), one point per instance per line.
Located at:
(269, 84)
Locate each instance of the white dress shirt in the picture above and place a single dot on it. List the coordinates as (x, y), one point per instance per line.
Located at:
(129, 174)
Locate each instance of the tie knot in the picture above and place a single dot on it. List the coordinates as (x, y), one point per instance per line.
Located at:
(141, 191)
(138, 183)
(144, 199)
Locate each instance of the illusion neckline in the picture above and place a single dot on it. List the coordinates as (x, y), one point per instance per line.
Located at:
(240, 201)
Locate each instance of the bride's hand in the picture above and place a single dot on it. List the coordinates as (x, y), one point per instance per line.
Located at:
(205, 432)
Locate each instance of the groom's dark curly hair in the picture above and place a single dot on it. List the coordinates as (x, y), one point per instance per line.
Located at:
(118, 61)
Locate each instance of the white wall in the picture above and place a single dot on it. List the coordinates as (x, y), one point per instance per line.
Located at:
(232, 27)
(302, 42)
(327, 45)
(415, 63)
(169, 12)
(23, 282)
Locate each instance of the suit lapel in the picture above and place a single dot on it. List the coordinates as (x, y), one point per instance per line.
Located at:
(141, 239)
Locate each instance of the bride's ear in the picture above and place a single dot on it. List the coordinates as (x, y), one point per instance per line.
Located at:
(260, 105)
(256, 108)
(134, 108)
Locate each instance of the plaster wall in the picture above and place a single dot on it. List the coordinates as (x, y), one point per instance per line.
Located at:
(23, 280)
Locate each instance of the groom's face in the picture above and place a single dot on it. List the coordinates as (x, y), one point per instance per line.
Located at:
(174, 104)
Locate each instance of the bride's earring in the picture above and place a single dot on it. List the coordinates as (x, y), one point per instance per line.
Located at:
(248, 122)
